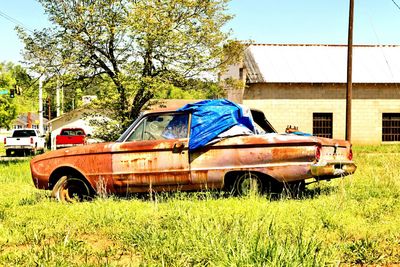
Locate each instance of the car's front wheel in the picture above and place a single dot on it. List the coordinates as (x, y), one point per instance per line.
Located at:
(70, 189)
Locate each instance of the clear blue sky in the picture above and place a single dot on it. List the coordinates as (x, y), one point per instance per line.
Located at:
(263, 21)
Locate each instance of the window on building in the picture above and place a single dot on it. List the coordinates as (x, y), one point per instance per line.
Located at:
(322, 124)
(390, 127)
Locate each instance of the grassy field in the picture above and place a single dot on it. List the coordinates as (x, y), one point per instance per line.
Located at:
(355, 220)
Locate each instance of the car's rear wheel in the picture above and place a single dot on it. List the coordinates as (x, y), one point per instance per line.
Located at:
(70, 190)
(247, 184)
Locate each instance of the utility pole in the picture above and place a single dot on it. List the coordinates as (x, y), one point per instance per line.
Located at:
(41, 106)
(58, 97)
(49, 107)
(62, 101)
(349, 91)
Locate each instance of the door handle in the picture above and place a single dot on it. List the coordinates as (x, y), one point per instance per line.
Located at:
(178, 147)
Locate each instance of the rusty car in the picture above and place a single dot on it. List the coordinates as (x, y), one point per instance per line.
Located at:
(224, 146)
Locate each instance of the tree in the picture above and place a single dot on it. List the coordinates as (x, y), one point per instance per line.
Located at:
(7, 108)
(8, 112)
(138, 45)
(14, 76)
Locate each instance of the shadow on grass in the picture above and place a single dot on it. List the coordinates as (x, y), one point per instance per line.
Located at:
(317, 191)
(307, 193)
(8, 161)
(178, 195)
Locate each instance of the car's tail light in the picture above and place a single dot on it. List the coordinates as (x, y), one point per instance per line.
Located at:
(350, 155)
(31, 140)
(318, 151)
(5, 140)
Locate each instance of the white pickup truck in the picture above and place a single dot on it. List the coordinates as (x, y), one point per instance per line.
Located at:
(25, 142)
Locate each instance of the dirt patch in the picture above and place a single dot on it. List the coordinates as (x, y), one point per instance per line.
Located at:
(105, 247)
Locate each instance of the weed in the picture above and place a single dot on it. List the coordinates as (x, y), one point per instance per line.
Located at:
(354, 220)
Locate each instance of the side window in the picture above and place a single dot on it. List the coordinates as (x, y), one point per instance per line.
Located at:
(159, 127)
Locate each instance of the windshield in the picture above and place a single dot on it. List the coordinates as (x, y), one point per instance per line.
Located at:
(161, 126)
(168, 125)
(129, 130)
(24, 133)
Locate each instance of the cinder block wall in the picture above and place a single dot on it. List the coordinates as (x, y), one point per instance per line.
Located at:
(294, 104)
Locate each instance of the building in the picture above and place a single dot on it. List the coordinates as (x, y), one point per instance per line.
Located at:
(305, 86)
(25, 120)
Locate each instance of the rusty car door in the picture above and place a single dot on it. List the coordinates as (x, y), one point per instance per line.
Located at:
(154, 155)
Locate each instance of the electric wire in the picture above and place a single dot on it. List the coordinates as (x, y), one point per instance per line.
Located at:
(15, 21)
(397, 5)
(383, 53)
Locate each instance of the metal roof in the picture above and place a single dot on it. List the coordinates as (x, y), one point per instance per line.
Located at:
(321, 63)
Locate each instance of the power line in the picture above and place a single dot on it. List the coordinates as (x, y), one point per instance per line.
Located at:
(15, 21)
(394, 2)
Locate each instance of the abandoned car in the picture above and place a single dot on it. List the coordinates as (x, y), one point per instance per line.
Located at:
(212, 144)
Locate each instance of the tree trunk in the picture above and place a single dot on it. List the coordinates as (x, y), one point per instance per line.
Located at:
(141, 98)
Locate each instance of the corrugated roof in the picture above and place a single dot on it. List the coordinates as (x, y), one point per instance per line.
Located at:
(322, 63)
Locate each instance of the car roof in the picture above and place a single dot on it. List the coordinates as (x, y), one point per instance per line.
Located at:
(159, 110)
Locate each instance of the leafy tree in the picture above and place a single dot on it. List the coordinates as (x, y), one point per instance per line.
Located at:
(12, 76)
(136, 45)
(8, 112)
(7, 108)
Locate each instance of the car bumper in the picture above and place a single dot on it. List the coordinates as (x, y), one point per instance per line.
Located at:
(67, 145)
(20, 147)
(327, 170)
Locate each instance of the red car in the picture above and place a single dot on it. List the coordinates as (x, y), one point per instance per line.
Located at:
(70, 137)
(192, 149)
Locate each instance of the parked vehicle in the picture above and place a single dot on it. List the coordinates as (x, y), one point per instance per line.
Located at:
(24, 142)
(71, 137)
(213, 144)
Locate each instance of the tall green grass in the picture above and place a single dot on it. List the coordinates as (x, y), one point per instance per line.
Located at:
(355, 220)
(2, 150)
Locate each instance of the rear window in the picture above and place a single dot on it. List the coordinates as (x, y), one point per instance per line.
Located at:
(24, 133)
(72, 132)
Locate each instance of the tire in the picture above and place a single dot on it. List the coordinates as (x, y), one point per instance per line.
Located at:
(71, 190)
(33, 152)
(8, 152)
(247, 184)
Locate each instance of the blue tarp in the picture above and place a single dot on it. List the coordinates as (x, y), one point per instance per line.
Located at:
(302, 134)
(212, 117)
